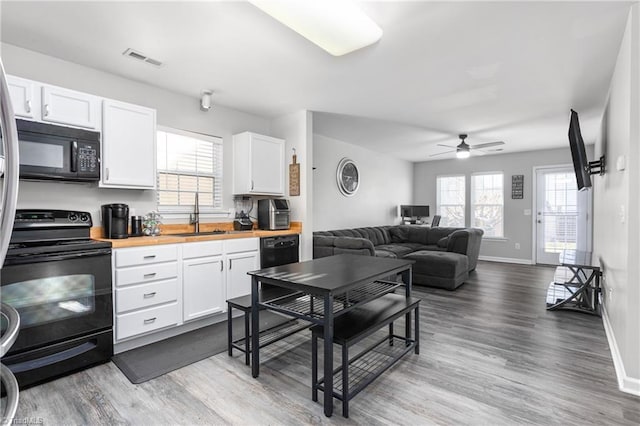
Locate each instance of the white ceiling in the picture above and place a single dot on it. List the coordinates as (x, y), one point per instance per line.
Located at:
(496, 70)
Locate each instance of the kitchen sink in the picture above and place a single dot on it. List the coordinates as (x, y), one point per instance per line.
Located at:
(195, 234)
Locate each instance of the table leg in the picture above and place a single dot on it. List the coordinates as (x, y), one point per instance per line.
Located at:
(407, 280)
(328, 355)
(255, 328)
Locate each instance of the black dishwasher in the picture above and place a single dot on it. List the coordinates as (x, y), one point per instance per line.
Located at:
(280, 250)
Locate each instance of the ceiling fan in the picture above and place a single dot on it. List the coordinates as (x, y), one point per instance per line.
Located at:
(463, 150)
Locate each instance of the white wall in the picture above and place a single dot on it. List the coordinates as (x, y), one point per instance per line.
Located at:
(385, 183)
(173, 110)
(296, 130)
(617, 209)
(518, 228)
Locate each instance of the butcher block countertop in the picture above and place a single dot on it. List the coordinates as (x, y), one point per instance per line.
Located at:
(166, 236)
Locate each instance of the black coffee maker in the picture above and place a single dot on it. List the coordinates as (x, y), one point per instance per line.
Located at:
(115, 220)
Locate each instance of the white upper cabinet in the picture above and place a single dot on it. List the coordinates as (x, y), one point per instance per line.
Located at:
(23, 100)
(68, 107)
(128, 146)
(258, 164)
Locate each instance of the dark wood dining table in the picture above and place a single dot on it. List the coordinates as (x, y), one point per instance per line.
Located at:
(320, 290)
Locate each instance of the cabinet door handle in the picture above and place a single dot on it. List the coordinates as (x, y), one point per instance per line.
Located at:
(151, 256)
(27, 106)
(107, 173)
(151, 275)
(148, 295)
(149, 320)
(252, 184)
(46, 110)
(221, 266)
(230, 260)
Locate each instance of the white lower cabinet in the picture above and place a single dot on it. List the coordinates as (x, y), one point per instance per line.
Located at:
(203, 286)
(147, 320)
(162, 287)
(242, 257)
(147, 288)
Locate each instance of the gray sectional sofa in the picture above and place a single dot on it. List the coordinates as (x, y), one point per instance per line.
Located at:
(443, 256)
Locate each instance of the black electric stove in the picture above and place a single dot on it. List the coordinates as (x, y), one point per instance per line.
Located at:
(59, 281)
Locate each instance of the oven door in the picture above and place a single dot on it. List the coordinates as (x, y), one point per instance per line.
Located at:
(59, 296)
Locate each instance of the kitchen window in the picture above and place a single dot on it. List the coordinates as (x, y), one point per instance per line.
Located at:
(450, 203)
(487, 203)
(188, 163)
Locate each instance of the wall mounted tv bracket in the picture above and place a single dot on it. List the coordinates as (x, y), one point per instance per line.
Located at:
(597, 166)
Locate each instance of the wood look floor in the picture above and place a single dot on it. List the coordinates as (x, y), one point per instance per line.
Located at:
(490, 354)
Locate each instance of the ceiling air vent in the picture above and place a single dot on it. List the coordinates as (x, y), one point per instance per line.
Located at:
(141, 57)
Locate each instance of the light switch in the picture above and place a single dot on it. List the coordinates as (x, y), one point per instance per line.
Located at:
(527, 212)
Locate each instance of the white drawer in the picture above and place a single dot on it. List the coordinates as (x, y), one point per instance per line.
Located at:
(145, 295)
(140, 322)
(203, 249)
(145, 255)
(241, 244)
(142, 274)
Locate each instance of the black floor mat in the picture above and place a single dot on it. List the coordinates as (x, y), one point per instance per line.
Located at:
(154, 360)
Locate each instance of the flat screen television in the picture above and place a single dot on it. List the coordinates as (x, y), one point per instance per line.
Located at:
(579, 154)
(414, 211)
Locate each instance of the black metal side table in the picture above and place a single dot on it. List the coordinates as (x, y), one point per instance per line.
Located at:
(576, 284)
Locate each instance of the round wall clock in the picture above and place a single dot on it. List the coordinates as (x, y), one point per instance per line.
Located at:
(348, 177)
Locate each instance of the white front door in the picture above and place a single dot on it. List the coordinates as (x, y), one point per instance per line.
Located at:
(563, 214)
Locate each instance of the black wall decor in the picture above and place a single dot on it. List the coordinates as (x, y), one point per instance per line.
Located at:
(517, 187)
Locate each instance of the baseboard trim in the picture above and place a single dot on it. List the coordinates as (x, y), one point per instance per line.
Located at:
(506, 260)
(625, 383)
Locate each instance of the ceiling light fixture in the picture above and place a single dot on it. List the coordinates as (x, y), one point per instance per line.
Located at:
(337, 26)
(462, 153)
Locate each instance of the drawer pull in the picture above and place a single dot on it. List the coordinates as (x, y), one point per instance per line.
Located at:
(150, 320)
(148, 295)
(151, 275)
(151, 256)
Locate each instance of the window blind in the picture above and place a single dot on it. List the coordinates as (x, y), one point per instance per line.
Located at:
(189, 163)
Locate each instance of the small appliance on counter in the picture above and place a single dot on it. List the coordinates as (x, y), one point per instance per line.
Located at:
(243, 206)
(115, 221)
(136, 226)
(273, 214)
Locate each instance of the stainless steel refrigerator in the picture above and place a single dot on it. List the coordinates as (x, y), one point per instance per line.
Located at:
(9, 171)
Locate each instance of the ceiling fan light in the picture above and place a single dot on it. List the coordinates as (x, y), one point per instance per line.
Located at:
(337, 26)
(463, 153)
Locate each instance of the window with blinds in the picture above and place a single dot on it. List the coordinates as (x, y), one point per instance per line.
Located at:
(189, 163)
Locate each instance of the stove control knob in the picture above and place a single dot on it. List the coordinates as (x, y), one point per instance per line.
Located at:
(73, 217)
(84, 217)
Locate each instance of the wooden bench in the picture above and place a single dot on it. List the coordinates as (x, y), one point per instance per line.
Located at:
(354, 326)
(268, 335)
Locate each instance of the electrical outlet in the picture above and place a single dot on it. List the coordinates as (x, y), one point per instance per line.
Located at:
(517, 246)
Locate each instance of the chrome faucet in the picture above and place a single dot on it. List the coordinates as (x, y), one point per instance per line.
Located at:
(194, 218)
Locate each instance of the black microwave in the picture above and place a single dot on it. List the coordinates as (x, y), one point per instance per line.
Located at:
(55, 152)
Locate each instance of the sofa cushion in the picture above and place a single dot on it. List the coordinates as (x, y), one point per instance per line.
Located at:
(407, 233)
(439, 263)
(435, 234)
(443, 242)
(377, 235)
(399, 250)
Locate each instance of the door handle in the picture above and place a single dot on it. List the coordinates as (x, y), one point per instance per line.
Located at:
(230, 260)
(27, 106)
(221, 266)
(74, 156)
(539, 221)
(46, 110)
